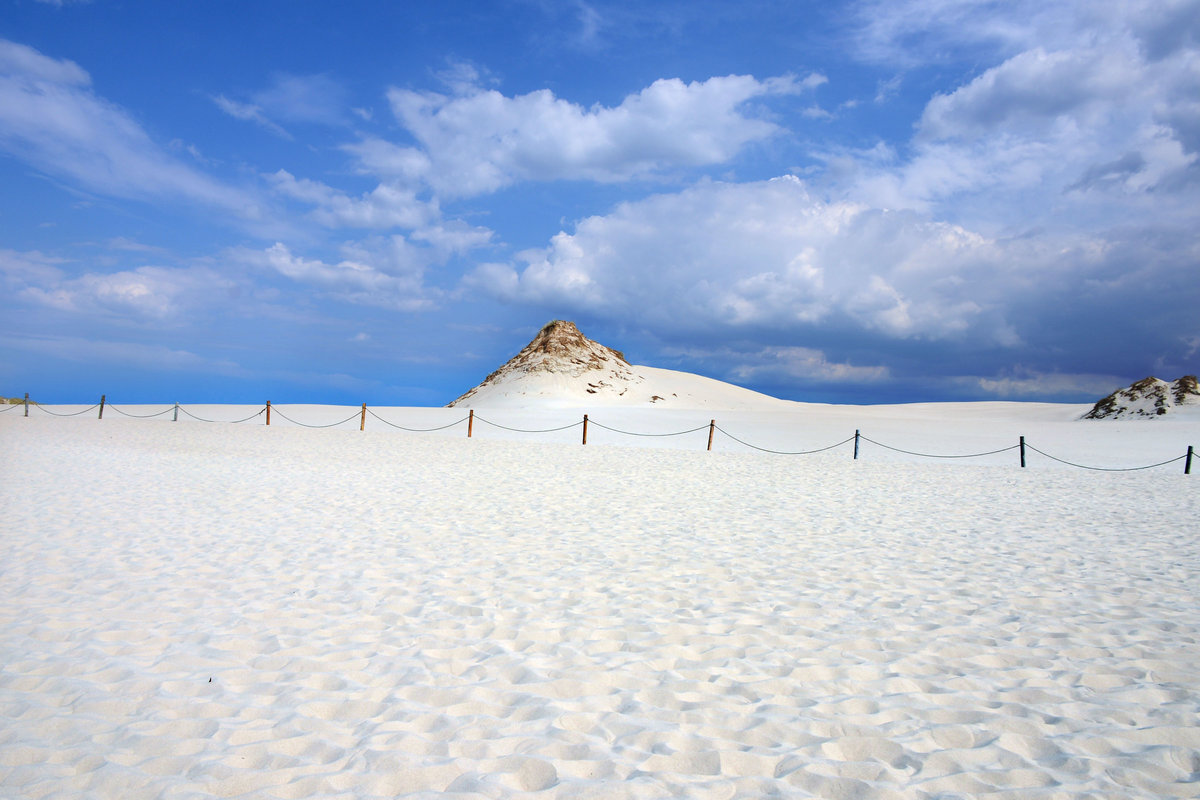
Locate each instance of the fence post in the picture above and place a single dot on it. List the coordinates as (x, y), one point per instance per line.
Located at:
(176, 417)
(268, 412)
(1022, 452)
(470, 422)
(101, 408)
(27, 404)
(856, 444)
(711, 425)
(585, 428)
(362, 422)
(1187, 465)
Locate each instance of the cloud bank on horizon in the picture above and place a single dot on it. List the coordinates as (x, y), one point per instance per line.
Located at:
(860, 201)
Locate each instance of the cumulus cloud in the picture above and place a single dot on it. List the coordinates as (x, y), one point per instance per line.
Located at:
(764, 254)
(480, 140)
(51, 117)
(1085, 97)
(387, 206)
(847, 283)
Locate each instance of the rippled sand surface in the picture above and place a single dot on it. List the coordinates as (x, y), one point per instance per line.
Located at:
(198, 611)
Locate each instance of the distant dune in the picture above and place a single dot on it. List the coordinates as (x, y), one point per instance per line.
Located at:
(1149, 398)
(561, 367)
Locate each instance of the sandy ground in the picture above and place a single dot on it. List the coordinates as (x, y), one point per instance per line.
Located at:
(239, 611)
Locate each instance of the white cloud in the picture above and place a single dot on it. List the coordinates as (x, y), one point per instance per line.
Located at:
(250, 113)
(292, 98)
(50, 117)
(18, 270)
(386, 206)
(1078, 126)
(386, 272)
(146, 293)
(1028, 383)
(766, 254)
(480, 140)
(798, 363)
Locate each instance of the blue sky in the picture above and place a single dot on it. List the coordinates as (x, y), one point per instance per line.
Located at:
(381, 202)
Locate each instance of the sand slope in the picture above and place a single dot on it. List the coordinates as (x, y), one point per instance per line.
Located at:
(198, 611)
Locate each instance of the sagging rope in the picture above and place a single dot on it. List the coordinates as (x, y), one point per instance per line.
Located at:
(523, 430)
(415, 430)
(304, 425)
(782, 452)
(1104, 469)
(140, 416)
(632, 433)
(71, 414)
(934, 455)
(258, 413)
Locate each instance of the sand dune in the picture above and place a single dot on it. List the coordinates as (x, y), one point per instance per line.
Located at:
(235, 611)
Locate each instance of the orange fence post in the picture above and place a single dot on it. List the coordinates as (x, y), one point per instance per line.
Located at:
(268, 412)
(362, 423)
(470, 422)
(585, 428)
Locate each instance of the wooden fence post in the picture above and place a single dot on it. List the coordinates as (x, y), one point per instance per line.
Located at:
(712, 423)
(1187, 465)
(856, 444)
(27, 404)
(585, 428)
(101, 408)
(470, 422)
(176, 417)
(268, 412)
(1022, 452)
(362, 422)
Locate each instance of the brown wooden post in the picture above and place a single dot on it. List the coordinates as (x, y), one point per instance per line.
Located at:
(470, 422)
(268, 412)
(362, 422)
(585, 428)
(711, 424)
(101, 408)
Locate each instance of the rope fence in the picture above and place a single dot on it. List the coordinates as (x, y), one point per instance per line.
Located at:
(1022, 446)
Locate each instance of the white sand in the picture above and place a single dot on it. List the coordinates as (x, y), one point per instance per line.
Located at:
(199, 610)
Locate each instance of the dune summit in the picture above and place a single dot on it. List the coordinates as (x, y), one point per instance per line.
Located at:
(561, 367)
(1148, 398)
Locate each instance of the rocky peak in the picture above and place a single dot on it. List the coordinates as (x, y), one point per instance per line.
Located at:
(560, 347)
(561, 350)
(1149, 397)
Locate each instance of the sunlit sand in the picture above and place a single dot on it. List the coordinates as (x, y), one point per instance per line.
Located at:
(197, 610)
